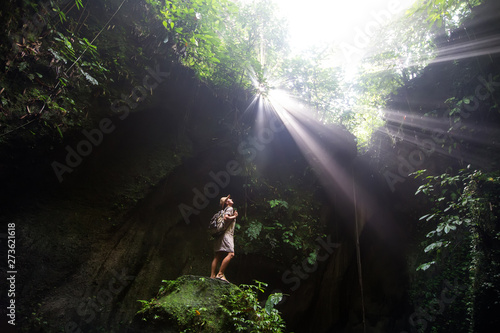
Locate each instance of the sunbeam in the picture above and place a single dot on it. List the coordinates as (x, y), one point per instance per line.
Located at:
(436, 135)
(303, 128)
(473, 48)
(486, 46)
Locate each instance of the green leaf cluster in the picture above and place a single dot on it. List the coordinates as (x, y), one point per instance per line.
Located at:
(444, 13)
(222, 40)
(455, 207)
(283, 220)
(246, 312)
(48, 74)
(462, 221)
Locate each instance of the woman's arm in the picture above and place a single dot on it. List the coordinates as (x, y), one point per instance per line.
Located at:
(231, 217)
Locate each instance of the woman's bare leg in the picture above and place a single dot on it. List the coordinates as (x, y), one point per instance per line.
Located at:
(217, 257)
(225, 262)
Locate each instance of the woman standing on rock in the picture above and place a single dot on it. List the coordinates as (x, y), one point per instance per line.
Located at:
(224, 244)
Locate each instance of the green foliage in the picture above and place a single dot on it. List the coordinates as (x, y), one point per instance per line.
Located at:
(278, 203)
(452, 211)
(221, 40)
(36, 319)
(396, 54)
(465, 110)
(318, 85)
(287, 225)
(253, 230)
(463, 218)
(72, 51)
(247, 315)
(444, 13)
(227, 43)
(166, 287)
(45, 74)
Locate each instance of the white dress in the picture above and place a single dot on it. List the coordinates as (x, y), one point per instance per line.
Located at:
(225, 242)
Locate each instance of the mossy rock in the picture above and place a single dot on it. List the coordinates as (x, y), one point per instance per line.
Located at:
(188, 304)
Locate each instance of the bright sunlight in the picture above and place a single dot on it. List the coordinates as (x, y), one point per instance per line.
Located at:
(347, 24)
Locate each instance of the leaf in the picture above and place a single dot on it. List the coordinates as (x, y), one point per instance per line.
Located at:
(450, 227)
(57, 56)
(60, 132)
(22, 66)
(420, 188)
(433, 246)
(63, 81)
(89, 77)
(68, 44)
(272, 300)
(425, 266)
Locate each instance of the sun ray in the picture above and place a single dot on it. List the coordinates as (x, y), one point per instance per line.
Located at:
(303, 129)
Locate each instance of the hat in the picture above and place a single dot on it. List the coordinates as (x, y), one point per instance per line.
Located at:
(223, 200)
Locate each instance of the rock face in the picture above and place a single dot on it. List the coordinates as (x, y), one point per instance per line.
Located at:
(111, 231)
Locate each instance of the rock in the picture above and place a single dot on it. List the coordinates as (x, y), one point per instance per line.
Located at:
(190, 301)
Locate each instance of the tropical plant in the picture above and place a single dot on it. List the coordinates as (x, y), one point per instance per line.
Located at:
(222, 41)
(246, 314)
(462, 222)
(283, 221)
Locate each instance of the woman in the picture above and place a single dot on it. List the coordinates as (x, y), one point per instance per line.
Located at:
(224, 244)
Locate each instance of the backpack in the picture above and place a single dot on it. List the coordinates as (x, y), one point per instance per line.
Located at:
(217, 225)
